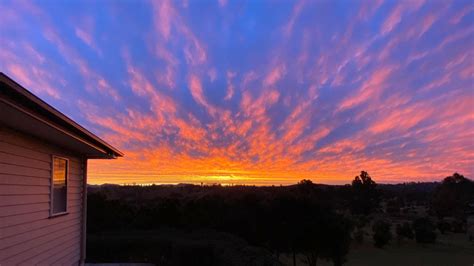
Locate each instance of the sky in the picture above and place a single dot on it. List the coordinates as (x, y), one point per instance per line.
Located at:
(255, 92)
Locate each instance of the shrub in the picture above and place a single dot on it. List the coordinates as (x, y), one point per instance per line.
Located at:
(424, 230)
(458, 226)
(443, 226)
(359, 235)
(382, 234)
(404, 231)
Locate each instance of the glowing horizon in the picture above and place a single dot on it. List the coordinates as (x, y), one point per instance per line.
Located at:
(255, 92)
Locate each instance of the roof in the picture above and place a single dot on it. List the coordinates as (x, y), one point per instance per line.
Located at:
(23, 111)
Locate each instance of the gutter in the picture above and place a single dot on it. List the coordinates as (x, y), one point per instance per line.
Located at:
(21, 109)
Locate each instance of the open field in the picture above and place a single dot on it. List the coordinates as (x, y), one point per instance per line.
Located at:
(450, 249)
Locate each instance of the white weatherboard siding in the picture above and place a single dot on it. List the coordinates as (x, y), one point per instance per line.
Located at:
(28, 236)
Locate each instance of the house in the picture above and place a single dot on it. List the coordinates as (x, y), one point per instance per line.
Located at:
(43, 179)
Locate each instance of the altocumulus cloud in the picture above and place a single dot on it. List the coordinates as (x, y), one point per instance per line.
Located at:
(226, 91)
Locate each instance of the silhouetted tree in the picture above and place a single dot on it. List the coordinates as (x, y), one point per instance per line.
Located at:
(381, 233)
(340, 239)
(365, 197)
(326, 237)
(305, 182)
(451, 198)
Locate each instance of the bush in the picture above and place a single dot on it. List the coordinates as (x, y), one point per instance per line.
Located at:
(404, 231)
(424, 230)
(382, 234)
(359, 235)
(443, 226)
(393, 207)
(458, 226)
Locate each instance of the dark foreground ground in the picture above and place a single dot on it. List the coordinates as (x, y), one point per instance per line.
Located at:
(209, 248)
(451, 249)
(174, 247)
(305, 224)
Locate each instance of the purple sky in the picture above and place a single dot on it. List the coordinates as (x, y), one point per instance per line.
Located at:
(255, 92)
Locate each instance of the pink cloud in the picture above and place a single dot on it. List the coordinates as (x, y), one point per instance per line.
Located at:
(163, 16)
(20, 74)
(84, 30)
(437, 82)
(367, 9)
(427, 23)
(275, 75)
(142, 87)
(85, 37)
(370, 88)
(168, 21)
(9, 16)
(398, 12)
(34, 53)
(230, 86)
(295, 13)
(212, 73)
(384, 54)
(166, 77)
(456, 37)
(392, 20)
(401, 119)
(31, 75)
(197, 92)
(222, 3)
(308, 142)
(345, 145)
(166, 55)
(461, 14)
(94, 80)
(248, 78)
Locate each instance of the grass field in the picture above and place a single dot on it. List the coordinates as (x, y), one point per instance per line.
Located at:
(212, 248)
(450, 250)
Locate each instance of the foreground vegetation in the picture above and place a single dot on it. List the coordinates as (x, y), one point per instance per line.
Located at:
(305, 223)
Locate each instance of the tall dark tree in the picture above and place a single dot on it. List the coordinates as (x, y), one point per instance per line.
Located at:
(452, 196)
(365, 197)
(327, 237)
(340, 239)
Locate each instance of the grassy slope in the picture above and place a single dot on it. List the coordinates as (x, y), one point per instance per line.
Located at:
(451, 249)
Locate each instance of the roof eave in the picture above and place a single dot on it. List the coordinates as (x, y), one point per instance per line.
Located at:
(107, 149)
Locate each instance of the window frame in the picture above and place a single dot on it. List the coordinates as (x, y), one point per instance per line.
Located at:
(51, 194)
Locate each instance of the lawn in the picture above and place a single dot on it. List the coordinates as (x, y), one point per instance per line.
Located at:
(450, 249)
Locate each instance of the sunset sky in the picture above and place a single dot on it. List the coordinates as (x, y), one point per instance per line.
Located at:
(255, 92)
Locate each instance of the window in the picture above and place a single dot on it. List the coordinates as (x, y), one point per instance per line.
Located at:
(59, 186)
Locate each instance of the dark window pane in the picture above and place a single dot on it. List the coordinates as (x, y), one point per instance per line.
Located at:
(59, 185)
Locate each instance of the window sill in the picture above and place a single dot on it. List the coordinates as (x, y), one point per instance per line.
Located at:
(58, 214)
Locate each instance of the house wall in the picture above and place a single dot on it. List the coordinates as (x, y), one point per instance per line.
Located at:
(28, 235)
